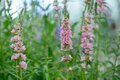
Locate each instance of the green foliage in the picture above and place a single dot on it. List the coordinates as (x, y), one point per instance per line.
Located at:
(43, 49)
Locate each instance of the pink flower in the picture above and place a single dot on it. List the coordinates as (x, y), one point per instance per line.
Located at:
(15, 38)
(23, 48)
(15, 56)
(66, 35)
(23, 57)
(89, 27)
(84, 39)
(87, 45)
(16, 48)
(23, 65)
(102, 6)
(87, 34)
(19, 43)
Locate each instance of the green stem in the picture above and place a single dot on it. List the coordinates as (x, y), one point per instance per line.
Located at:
(20, 73)
(114, 68)
(83, 74)
(97, 55)
(83, 15)
(16, 70)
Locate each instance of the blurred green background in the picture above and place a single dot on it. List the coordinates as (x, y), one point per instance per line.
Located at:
(43, 45)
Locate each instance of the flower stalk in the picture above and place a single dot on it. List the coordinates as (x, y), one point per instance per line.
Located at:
(18, 47)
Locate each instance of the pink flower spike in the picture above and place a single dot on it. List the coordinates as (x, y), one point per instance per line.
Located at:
(23, 65)
(66, 35)
(87, 39)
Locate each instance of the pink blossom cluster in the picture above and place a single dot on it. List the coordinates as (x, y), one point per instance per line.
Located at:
(66, 35)
(18, 56)
(56, 7)
(101, 5)
(87, 44)
(18, 47)
(87, 38)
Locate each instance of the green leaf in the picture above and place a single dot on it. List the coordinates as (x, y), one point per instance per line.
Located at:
(50, 52)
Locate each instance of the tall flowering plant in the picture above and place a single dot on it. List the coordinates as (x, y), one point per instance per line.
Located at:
(66, 41)
(87, 45)
(18, 47)
(66, 34)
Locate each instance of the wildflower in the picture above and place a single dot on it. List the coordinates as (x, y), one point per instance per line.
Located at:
(66, 58)
(15, 56)
(86, 45)
(65, 34)
(23, 48)
(101, 5)
(87, 37)
(15, 38)
(18, 46)
(23, 57)
(23, 65)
